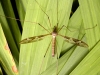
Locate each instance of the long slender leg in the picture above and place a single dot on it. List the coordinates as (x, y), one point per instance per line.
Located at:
(47, 48)
(65, 27)
(91, 27)
(56, 40)
(26, 21)
(75, 30)
(44, 13)
(39, 25)
(57, 14)
(44, 57)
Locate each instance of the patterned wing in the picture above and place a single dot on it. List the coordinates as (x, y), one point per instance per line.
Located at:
(33, 39)
(75, 41)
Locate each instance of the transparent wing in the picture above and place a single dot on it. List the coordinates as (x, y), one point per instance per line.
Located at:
(74, 41)
(33, 39)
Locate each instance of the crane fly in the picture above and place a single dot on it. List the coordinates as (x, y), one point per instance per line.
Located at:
(54, 34)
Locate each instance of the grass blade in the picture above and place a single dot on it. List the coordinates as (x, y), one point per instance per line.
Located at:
(6, 59)
(76, 65)
(1, 71)
(35, 51)
(10, 29)
(90, 19)
(90, 64)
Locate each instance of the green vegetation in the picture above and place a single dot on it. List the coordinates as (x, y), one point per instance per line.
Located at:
(28, 59)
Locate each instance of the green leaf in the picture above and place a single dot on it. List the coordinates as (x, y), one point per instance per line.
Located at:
(72, 59)
(76, 65)
(10, 28)
(90, 64)
(76, 53)
(32, 61)
(6, 59)
(90, 13)
(1, 71)
(21, 8)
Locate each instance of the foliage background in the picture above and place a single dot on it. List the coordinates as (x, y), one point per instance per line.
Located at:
(26, 59)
